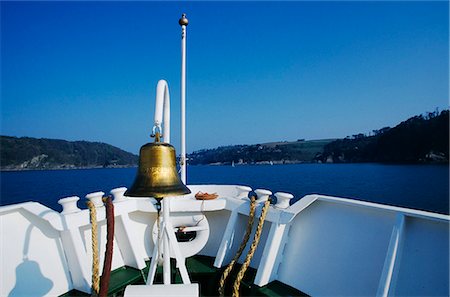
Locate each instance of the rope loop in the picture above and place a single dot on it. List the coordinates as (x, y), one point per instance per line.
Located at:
(100, 285)
(273, 199)
(95, 257)
(107, 264)
(251, 252)
(248, 231)
(252, 194)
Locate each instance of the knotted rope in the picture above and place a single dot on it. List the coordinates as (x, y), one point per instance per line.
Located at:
(95, 258)
(248, 231)
(252, 249)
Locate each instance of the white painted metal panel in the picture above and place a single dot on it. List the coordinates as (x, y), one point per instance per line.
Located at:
(336, 249)
(141, 227)
(423, 266)
(217, 221)
(117, 260)
(236, 239)
(32, 257)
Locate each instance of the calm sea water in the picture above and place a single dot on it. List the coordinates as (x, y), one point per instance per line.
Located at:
(423, 187)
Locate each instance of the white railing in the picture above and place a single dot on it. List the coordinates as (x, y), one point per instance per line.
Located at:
(320, 245)
(360, 248)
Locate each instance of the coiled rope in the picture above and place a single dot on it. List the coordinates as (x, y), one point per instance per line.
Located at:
(248, 231)
(252, 250)
(95, 258)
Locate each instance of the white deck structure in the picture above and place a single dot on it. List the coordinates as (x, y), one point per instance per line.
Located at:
(320, 245)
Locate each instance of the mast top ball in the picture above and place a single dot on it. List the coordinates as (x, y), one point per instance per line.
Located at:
(183, 21)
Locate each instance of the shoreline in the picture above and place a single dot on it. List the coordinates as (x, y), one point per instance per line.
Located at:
(66, 168)
(220, 165)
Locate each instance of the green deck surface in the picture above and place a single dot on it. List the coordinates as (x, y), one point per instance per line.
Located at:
(201, 271)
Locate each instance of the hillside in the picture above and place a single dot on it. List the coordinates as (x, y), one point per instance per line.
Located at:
(32, 153)
(420, 139)
(276, 152)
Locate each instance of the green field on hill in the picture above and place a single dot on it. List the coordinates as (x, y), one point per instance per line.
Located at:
(275, 152)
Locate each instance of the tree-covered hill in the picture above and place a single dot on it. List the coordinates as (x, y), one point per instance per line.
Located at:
(420, 139)
(275, 152)
(32, 153)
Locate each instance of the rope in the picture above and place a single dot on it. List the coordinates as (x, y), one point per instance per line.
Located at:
(95, 258)
(157, 246)
(106, 273)
(248, 231)
(203, 214)
(160, 242)
(252, 250)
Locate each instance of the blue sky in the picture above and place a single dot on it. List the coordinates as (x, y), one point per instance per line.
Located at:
(257, 71)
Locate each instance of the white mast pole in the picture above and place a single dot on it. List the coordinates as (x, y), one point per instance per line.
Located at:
(183, 23)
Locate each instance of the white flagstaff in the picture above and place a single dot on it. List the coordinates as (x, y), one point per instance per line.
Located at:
(183, 23)
(169, 241)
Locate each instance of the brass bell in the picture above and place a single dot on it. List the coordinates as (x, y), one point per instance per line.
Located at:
(157, 173)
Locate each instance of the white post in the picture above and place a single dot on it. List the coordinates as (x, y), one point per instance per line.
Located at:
(169, 243)
(183, 23)
(69, 204)
(267, 267)
(166, 247)
(392, 255)
(155, 256)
